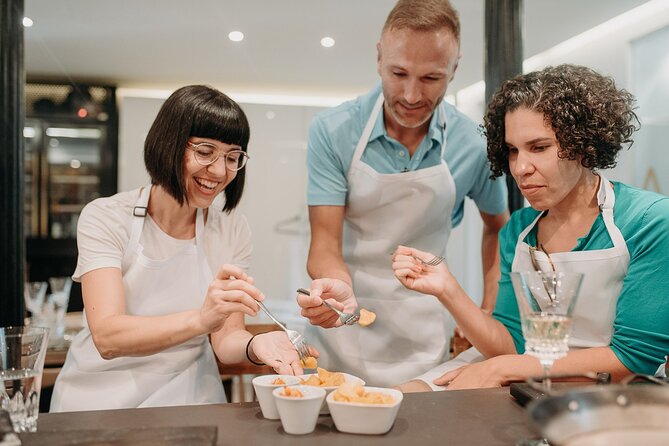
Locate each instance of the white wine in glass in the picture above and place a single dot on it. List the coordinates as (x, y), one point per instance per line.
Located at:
(546, 302)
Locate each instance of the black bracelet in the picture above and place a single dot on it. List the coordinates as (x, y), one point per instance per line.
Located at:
(247, 351)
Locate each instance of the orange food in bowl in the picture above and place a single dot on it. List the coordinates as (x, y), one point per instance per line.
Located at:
(350, 393)
(367, 318)
(279, 381)
(309, 362)
(324, 378)
(292, 393)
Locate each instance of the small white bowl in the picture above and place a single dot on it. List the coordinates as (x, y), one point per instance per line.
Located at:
(299, 414)
(363, 418)
(263, 387)
(347, 378)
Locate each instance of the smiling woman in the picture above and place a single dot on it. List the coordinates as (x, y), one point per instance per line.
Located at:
(163, 272)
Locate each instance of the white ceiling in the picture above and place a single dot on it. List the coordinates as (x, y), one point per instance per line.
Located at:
(169, 43)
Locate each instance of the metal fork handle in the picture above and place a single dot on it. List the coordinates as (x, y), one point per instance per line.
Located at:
(331, 307)
(345, 318)
(271, 316)
(299, 343)
(327, 304)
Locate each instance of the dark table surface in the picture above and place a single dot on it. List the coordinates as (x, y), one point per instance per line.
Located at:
(466, 417)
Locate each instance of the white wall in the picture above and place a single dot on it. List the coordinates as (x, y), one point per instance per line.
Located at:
(135, 118)
(275, 201)
(650, 83)
(631, 48)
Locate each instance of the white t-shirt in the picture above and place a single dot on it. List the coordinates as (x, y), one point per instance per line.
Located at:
(104, 227)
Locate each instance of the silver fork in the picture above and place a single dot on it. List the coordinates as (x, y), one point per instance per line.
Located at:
(295, 338)
(345, 318)
(436, 260)
(432, 262)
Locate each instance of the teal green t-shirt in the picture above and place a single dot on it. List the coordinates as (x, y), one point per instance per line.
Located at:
(641, 326)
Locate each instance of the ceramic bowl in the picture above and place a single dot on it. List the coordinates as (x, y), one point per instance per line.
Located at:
(365, 418)
(328, 389)
(263, 387)
(299, 414)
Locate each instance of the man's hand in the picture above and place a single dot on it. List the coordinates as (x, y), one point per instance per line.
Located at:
(336, 292)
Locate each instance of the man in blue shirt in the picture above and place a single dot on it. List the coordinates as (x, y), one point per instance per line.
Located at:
(388, 168)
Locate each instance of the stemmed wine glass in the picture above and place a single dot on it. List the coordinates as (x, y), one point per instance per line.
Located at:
(546, 302)
(59, 298)
(34, 295)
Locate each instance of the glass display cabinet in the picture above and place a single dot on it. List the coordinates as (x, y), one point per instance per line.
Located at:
(71, 148)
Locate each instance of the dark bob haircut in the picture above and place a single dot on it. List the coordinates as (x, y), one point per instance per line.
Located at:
(591, 118)
(194, 111)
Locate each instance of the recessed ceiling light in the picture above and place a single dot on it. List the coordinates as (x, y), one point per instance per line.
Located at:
(236, 36)
(327, 42)
(27, 22)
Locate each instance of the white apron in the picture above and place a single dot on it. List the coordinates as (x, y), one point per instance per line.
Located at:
(184, 374)
(412, 331)
(604, 271)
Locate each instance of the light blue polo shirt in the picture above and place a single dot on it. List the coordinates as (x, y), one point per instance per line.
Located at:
(334, 134)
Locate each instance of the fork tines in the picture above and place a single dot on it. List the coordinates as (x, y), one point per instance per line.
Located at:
(432, 262)
(302, 349)
(435, 261)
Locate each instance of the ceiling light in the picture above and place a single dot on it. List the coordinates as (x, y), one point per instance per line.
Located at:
(327, 42)
(27, 22)
(236, 36)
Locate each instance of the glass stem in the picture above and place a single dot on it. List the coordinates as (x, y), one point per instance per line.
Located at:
(547, 368)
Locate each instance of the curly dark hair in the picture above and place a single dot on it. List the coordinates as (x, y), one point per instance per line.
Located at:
(591, 118)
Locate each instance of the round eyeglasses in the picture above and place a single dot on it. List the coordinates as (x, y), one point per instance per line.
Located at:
(207, 154)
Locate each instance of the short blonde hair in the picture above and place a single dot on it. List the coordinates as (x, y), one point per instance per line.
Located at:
(424, 15)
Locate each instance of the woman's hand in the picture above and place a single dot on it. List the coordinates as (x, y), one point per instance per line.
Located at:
(493, 372)
(336, 292)
(419, 277)
(275, 350)
(231, 291)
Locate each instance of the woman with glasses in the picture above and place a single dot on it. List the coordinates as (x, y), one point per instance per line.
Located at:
(163, 271)
(553, 130)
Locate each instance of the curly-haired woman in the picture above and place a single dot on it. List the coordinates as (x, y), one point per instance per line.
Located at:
(552, 130)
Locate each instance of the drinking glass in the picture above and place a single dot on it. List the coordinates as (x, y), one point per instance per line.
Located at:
(34, 294)
(59, 297)
(22, 353)
(546, 302)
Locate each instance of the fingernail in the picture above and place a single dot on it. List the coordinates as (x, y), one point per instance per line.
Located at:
(261, 297)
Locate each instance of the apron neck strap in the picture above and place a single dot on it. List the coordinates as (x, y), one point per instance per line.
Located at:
(605, 196)
(442, 125)
(140, 211)
(364, 138)
(607, 199)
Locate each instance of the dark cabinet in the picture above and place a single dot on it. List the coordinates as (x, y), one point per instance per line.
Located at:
(71, 152)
